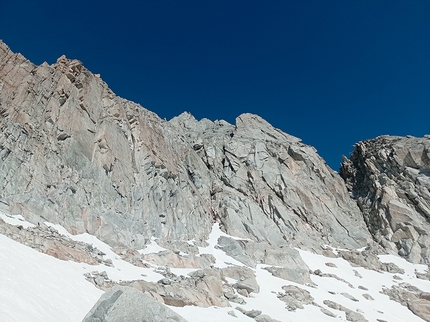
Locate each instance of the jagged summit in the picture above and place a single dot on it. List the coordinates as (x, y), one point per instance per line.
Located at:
(389, 176)
(101, 164)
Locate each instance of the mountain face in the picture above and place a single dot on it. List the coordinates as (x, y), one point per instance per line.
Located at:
(74, 154)
(390, 179)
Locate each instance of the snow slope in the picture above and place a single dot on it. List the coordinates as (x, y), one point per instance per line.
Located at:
(37, 287)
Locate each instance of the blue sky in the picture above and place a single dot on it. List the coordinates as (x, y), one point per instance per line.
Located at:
(329, 72)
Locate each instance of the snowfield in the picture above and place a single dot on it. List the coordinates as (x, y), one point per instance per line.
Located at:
(37, 287)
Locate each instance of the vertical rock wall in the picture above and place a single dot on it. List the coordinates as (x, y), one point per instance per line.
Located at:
(390, 179)
(73, 152)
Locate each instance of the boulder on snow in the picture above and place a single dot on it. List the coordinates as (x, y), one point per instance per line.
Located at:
(421, 308)
(128, 304)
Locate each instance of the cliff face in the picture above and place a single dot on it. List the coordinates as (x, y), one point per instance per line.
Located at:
(74, 153)
(390, 179)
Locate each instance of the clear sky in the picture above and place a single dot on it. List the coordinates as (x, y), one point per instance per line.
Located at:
(329, 72)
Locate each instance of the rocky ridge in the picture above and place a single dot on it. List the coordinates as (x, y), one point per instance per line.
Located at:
(390, 179)
(74, 153)
(49, 241)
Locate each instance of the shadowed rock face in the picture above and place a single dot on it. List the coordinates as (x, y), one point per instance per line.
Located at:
(72, 152)
(390, 179)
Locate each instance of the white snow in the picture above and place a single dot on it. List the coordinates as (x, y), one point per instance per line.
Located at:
(372, 280)
(153, 247)
(121, 270)
(210, 314)
(222, 259)
(37, 287)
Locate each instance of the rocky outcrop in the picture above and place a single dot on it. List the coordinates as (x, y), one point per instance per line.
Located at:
(129, 304)
(263, 184)
(203, 288)
(390, 179)
(74, 153)
(48, 241)
(369, 260)
(349, 314)
(412, 297)
(295, 297)
(421, 308)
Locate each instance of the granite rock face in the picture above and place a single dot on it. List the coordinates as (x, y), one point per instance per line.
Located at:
(390, 178)
(268, 186)
(74, 153)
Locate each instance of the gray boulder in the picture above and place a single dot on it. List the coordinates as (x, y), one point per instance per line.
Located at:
(295, 297)
(421, 308)
(349, 314)
(264, 318)
(128, 304)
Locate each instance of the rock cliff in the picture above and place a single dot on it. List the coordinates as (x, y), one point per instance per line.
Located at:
(74, 153)
(390, 178)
